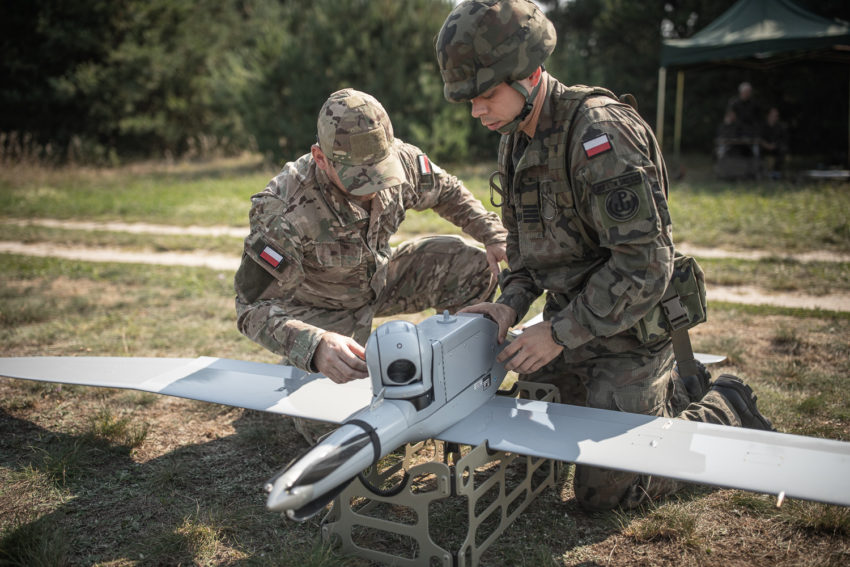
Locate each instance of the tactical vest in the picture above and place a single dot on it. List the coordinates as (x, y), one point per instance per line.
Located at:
(545, 159)
(540, 183)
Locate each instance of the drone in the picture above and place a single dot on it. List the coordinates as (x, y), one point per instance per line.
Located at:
(440, 379)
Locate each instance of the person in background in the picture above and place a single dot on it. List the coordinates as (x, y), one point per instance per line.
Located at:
(727, 138)
(774, 143)
(748, 115)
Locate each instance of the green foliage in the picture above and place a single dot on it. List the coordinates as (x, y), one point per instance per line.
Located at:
(181, 77)
(382, 47)
(101, 81)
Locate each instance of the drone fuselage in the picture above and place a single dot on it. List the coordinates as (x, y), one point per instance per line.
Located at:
(425, 378)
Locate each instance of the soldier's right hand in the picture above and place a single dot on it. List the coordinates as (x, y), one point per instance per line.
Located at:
(340, 358)
(503, 315)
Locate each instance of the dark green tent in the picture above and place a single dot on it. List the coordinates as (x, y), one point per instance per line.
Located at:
(752, 33)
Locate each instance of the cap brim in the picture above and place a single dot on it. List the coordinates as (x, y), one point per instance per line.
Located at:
(365, 179)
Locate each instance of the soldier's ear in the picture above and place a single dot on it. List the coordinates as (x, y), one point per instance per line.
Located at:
(319, 157)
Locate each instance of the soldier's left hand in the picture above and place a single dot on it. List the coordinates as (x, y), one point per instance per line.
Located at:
(496, 252)
(531, 350)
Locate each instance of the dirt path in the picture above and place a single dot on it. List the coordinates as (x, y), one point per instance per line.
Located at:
(733, 294)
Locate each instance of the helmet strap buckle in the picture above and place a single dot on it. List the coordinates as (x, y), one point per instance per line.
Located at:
(529, 97)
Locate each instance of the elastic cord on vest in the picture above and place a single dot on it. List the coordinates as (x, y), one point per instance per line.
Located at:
(373, 436)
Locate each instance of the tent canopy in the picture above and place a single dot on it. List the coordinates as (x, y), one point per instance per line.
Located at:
(752, 33)
(758, 29)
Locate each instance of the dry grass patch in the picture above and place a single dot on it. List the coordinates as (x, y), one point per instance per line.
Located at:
(80, 480)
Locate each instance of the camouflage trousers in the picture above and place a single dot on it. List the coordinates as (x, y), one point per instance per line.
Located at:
(642, 381)
(443, 272)
(440, 272)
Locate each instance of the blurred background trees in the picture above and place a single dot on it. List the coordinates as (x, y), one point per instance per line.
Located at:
(104, 81)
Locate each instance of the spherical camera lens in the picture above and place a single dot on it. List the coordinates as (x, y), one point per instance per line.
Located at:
(401, 371)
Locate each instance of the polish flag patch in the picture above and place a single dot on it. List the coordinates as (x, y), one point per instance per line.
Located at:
(597, 145)
(271, 256)
(424, 164)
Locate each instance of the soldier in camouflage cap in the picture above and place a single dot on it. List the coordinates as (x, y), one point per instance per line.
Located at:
(584, 189)
(317, 264)
(356, 135)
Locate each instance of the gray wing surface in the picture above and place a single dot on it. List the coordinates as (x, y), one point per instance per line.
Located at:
(253, 385)
(800, 467)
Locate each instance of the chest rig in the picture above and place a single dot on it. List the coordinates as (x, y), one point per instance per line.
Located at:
(534, 174)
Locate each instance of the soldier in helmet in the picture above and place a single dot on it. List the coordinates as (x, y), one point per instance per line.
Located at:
(584, 189)
(317, 265)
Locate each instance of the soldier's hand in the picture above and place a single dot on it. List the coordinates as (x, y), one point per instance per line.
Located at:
(340, 358)
(531, 350)
(503, 315)
(496, 252)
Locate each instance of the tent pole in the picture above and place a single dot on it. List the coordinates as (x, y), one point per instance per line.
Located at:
(677, 127)
(659, 111)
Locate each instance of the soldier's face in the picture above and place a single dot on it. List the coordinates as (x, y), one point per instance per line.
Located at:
(497, 106)
(323, 163)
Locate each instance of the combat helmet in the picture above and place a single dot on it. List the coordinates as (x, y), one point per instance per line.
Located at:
(486, 42)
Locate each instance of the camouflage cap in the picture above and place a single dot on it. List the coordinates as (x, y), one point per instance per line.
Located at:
(356, 134)
(485, 42)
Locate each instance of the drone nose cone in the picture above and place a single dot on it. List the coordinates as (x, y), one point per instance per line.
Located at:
(283, 497)
(320, 472)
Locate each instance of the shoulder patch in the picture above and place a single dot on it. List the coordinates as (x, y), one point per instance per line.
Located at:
(268, 254)
(596, 145)
(622, 204)
(426, 171)
(424, 164)
(625, 180)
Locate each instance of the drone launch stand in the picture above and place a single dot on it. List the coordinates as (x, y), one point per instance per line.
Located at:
(455, 488)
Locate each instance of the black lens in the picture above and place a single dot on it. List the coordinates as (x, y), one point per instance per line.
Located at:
(401, 371)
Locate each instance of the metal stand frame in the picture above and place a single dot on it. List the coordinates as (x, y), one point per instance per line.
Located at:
(463, 487)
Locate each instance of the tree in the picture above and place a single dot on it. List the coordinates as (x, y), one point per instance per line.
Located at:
(382, 47)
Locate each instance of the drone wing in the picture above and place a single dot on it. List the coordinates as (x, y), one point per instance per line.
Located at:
(253, 385)
(761, 461)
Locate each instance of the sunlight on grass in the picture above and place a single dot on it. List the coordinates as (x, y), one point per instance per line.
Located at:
(75, 459)
(671, 521)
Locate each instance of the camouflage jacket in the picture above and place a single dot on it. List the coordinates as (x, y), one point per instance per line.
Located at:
(310, 247)
(586, 211)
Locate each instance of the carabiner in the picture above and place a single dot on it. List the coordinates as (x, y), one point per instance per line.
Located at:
(495, 187)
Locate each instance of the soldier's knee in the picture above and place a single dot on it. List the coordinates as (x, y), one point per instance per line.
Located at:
(598, 489)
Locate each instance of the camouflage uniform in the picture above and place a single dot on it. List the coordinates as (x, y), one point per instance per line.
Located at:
(316, 260)
(586, 212)
(585, 205)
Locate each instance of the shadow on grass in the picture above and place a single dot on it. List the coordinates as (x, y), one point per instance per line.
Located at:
(198, 504)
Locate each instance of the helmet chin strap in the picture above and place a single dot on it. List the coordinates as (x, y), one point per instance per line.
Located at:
(529, 97)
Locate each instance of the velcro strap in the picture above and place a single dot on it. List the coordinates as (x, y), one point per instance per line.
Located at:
(373, 436)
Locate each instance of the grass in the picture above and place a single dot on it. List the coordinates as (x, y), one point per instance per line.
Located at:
(179, 194)
(33, 234)
(781, 216)
(117, 478)
(780, 275)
